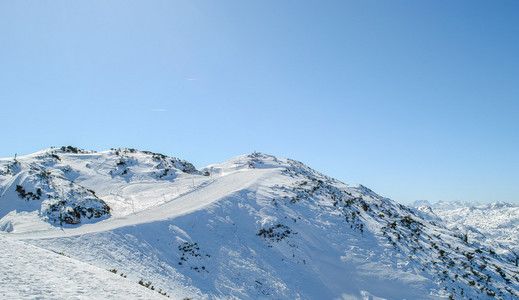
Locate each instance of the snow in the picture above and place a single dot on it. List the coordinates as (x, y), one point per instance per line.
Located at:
(30, 272)
(495, 223)
(254, 227)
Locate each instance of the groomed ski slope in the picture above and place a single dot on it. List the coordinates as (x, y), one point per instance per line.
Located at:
(209, 191)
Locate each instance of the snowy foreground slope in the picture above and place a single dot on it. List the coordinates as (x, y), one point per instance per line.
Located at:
(254, 227)
(496, 223)
(28, 271)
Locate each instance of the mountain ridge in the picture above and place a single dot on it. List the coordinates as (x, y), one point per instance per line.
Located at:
(260, 226)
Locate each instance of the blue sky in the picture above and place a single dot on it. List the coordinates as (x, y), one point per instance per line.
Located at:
(414, 99)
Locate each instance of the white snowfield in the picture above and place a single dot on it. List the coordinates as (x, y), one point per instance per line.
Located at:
(29, 272)
(255, 227)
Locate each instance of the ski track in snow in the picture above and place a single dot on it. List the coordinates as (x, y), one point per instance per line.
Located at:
(205, 194)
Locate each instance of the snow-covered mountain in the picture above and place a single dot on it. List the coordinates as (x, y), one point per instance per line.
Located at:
(254, 227)
(496, 223)
(444, 205)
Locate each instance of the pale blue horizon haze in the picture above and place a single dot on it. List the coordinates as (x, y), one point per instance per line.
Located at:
(417, 100)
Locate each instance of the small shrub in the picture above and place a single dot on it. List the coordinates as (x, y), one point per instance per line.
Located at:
(70, 149)
(28, 195)
(55, 157)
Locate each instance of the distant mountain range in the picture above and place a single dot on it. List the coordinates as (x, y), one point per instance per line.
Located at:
(145, 225)
(496, 223)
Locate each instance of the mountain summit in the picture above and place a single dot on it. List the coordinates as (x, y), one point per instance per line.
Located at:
(256, 226)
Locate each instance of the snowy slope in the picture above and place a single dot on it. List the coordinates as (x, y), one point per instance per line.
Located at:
(496, 223)
(122, 181)
(254, 227)
(29, 272)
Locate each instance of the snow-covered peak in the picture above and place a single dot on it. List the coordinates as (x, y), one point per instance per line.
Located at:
(419, 203)
(257, 160)
(455, 204)
(500, 205)
(245, 162)
(256, 226)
